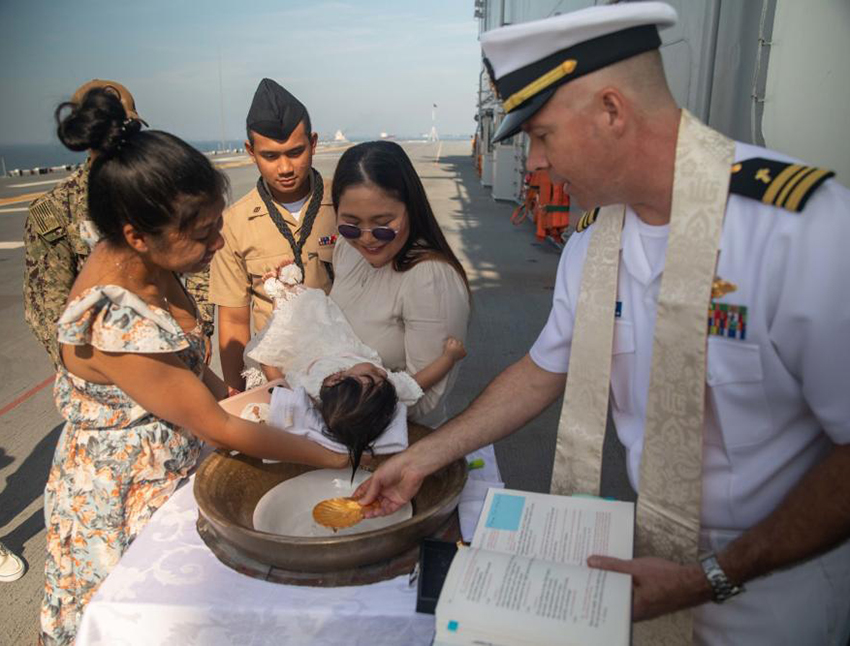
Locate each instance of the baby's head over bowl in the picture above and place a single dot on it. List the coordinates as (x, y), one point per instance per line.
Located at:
(357, 406)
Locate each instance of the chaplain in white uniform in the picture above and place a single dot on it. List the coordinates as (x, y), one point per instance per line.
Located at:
(709, 294)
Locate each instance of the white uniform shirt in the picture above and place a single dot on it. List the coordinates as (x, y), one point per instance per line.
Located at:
(777, 399)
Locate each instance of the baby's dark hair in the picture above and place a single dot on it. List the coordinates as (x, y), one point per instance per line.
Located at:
(146, 178)
(356, 414)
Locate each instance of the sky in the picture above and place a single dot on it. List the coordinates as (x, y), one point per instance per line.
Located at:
(361, 66)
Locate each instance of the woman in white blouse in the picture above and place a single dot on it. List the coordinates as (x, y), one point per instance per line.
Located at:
(396, 279)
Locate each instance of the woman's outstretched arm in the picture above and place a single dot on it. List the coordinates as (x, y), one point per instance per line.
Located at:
(162, 385)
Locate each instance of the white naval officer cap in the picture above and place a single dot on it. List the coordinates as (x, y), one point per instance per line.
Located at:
(529, 61)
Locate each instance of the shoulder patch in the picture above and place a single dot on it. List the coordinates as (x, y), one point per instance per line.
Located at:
(777, 183)
(47, 221)
(587, 218)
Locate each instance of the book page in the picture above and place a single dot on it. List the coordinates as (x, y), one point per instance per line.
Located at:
(503, 599)
(563, 529)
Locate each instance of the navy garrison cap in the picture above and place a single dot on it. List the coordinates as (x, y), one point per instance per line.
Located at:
(274, 112)
(529, 61)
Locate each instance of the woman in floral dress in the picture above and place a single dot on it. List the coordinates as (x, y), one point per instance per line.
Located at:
(133, 386)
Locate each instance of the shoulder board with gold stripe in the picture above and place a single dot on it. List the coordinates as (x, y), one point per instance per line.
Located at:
(587, 218)
(47, 223)
(777, 183)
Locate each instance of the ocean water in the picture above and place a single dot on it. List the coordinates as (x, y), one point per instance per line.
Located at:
(26, 156)
(37, 156)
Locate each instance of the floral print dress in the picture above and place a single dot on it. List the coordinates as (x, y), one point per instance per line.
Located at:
(115, 463)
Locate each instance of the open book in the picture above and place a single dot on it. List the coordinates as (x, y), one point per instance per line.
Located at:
(524, 580)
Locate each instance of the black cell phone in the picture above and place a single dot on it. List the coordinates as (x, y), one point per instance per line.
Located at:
(435, 557)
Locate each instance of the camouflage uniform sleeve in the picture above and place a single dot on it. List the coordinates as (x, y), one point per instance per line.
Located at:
(198, 285)
(50, 269)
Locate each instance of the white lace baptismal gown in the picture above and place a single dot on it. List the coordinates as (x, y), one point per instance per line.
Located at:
(308, 338)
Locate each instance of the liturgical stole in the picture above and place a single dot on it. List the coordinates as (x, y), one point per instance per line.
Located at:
(669, 496)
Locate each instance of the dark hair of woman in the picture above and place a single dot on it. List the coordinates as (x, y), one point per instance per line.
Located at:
(146, 178)
(356, 414)
(387, 166)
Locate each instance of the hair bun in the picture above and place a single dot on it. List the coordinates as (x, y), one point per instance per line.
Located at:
(99, 122)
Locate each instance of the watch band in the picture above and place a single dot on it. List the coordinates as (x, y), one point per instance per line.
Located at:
(721, 587)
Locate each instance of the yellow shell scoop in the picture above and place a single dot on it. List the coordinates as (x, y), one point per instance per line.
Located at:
(338, 513)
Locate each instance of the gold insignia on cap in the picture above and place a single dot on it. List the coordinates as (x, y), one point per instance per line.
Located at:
(736, 168)
(535, 87)
(720, 288)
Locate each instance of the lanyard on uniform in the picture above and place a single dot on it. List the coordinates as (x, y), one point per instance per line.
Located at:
(307, 221)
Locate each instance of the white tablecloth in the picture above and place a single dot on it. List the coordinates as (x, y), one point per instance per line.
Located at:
(170, 589)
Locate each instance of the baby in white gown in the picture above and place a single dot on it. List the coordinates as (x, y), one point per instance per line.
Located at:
(311, 342)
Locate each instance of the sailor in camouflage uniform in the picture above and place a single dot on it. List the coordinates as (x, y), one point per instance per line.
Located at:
(58, 237)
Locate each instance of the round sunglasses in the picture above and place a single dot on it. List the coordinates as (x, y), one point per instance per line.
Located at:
(384, 234)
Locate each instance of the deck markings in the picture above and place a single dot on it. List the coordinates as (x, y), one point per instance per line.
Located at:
(325, 151)
(26, 197)
(235, 164)
(32, 391)
(216, 160)
(45, 182)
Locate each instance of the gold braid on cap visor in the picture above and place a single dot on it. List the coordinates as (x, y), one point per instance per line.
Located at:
(539, 85)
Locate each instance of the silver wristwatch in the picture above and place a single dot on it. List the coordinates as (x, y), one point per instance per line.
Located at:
(721, 587)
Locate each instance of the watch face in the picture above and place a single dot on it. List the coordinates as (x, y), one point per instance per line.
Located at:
(722, 588)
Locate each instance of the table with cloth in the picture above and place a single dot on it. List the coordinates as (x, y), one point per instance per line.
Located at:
(169, 589)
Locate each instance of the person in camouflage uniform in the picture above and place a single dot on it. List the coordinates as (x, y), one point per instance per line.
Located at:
(55, 252)
(198, 285)
(58, 237)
